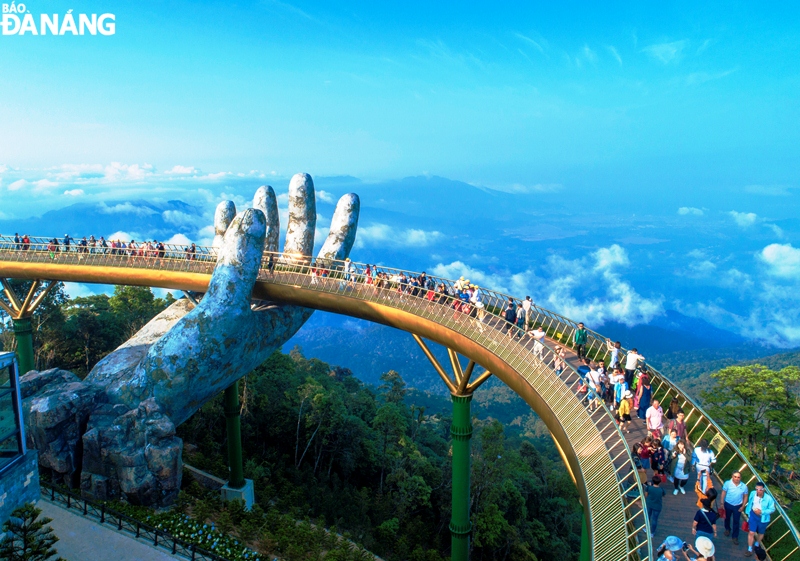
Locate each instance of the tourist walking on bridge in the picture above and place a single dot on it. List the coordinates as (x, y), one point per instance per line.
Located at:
(654, 419)
(733, 497)
(681, 462)
(614, 349)
(678, 425)
(644, 394)
(527, 307)
(624, 411)
(705, 521)
(703, 458)
(632, 361)
(655, 495)
(580, 338)
(759, 508)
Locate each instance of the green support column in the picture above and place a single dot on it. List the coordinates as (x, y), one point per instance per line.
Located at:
(461, 431)
(233, 423)
(586, 547)
(23, 331)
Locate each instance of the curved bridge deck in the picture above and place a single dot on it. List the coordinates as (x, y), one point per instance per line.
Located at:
(594, 449)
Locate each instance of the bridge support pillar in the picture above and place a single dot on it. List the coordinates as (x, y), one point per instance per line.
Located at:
(586, 547)
(21, 310)
(460, 524)
(234, 428)
(461, 390)
(23, 332)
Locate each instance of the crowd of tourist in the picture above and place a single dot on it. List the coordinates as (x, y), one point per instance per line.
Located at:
(91, 245)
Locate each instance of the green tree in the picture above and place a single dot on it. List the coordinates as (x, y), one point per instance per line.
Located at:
(393, 388)
(134, 306)
(28, 538)
(758, 408)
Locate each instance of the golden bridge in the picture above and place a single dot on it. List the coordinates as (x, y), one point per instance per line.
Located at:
(594, 449)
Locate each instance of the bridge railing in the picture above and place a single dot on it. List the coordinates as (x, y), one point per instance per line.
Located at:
(512, 345)
(782, 538)
(607, 486)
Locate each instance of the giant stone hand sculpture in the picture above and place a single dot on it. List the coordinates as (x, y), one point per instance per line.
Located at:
(117, 427)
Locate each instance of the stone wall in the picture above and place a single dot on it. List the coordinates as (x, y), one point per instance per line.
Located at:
(19, 484)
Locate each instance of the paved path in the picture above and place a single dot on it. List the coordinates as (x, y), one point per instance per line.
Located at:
(678, 510)
(84, 539)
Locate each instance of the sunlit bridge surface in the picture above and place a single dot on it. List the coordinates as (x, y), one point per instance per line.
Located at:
(596, 452)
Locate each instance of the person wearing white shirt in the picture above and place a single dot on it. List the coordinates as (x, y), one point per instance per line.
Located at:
(734, 499)
(527, 307)
(538, 337)
(703, 458)
(654, 417)
(614, 349)
(631, 364)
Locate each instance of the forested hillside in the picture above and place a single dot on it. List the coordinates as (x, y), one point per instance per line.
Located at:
(376, 462)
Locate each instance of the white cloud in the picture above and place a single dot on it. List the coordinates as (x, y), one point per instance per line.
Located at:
(3, 168)
(690, 211)
(614, 53)
(72, 172)
(181, 170)
(123, 236)
(737, 280)
(769, 190)
(667, 52)
(44, 184)
(536, 44)
(590, 289)
(590, 55)
(17, 185)
(117, 171)
(214, 176)
(782, 260)
(179, 218)
(324, 196)
(519, 188)
(74, 192)
(76, 290)
(744, 219)
(382, 234)
(126, 208)
(179, 239)
(703, 77)
(775, 230)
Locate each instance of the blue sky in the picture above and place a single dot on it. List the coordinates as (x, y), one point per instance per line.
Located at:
(653, 148)
(634, 96)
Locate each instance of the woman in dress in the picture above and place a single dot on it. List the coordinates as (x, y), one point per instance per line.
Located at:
(681, 461)
(645, 393)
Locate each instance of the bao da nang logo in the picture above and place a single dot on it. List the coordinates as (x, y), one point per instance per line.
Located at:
(17, 20)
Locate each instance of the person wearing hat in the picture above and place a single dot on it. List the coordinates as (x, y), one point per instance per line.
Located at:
(624, 410)
(668, 549)
(703, 550)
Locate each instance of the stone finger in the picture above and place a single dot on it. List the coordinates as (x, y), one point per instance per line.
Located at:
(342, 234)
(223, 217)
(238, 261)
(302, 216)
(266, 202)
